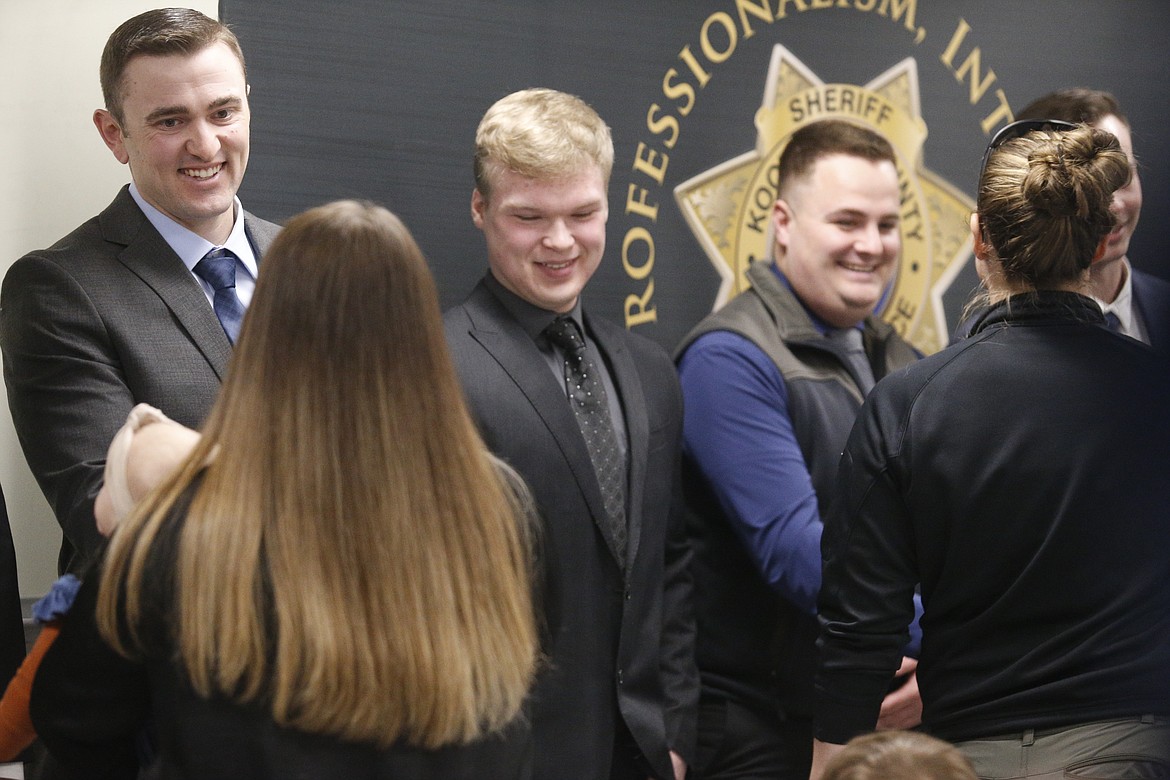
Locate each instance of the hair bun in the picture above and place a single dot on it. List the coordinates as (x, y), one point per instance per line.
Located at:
(1051, 183)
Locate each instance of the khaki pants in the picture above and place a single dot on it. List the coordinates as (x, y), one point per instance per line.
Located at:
(1125, 749)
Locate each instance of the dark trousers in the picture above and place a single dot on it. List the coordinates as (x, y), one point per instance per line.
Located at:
(628, 761)
(738, 743)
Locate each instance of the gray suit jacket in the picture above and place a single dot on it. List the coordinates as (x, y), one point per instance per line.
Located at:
(106, 318)
(620, 634)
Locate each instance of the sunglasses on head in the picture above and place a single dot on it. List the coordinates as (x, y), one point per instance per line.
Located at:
(1017, 130)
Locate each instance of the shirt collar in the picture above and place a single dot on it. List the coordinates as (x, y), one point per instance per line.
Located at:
(191, 247)
(1122, 305)
(822, 327)
(532, 318)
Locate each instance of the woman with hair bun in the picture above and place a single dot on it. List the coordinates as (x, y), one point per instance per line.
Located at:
(1019, 479)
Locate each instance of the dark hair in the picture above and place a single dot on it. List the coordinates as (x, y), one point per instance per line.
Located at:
(830, 136)
(1078, 105)
(159, 33)
(1043, 202)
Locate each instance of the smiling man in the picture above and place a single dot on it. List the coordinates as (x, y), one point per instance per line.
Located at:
(143, 302)
(772, 384)
(590, 416)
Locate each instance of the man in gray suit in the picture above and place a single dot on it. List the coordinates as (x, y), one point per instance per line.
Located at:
(590, 416)
(138, 304)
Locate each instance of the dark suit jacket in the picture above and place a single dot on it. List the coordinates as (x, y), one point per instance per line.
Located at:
(106, 318)
(619, 635)
(1151, 296)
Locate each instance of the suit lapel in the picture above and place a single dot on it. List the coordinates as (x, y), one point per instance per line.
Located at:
(612, 341)
(150, 258)
(503, 338)
(1155, 313)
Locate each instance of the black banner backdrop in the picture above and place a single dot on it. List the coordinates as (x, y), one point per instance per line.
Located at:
(379, 99)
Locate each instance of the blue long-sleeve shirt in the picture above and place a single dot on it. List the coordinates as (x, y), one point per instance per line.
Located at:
(737, 429)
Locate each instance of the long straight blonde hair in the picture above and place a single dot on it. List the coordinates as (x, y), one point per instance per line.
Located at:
(353, 559)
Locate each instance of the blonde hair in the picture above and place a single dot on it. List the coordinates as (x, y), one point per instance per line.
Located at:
(352, 559)
(1043, 202)
(540, 134)
(899, 755)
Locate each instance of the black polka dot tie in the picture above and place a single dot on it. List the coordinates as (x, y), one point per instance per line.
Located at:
(591, 407)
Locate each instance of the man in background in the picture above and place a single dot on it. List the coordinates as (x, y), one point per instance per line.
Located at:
(590, 416)
(1135, 303)
(143, 302)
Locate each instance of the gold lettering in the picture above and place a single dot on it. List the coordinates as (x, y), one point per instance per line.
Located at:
(638, 234)
(971, 65)
(782, 9)
(905, 309)
(1003, 111)
(681, 89)
(728, 25)
(689, 58)
(761, 11)
(948, 56)
(645, 313)
(640, 207)
(845, 99)
(864, 5)
(644, 162)
(659, 126)
(822, 3)
(900, 7)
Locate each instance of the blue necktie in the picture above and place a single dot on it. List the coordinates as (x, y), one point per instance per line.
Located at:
(1113, 322)
(218, 268)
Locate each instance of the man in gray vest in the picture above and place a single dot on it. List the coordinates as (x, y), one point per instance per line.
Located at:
(772, 383)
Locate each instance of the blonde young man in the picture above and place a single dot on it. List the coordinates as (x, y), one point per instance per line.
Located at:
(590, 416)
(119, 311)
(772, 383)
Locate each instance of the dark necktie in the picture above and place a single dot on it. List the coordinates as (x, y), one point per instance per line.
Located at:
(591, 407)
(850, 339)
(218, 268)
(1113, 322)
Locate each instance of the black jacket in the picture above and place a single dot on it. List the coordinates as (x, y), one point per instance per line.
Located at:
(1021, 477)
(103, 716)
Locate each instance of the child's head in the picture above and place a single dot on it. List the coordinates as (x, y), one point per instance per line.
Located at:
(900, 755)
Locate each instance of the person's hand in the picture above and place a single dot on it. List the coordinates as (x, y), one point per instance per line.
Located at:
(680, 766)
(902, 708)
(147, 448)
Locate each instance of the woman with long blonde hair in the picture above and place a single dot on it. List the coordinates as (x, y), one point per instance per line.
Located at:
(336, 580)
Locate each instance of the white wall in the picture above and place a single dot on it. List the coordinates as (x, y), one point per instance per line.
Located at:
(59, 175)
